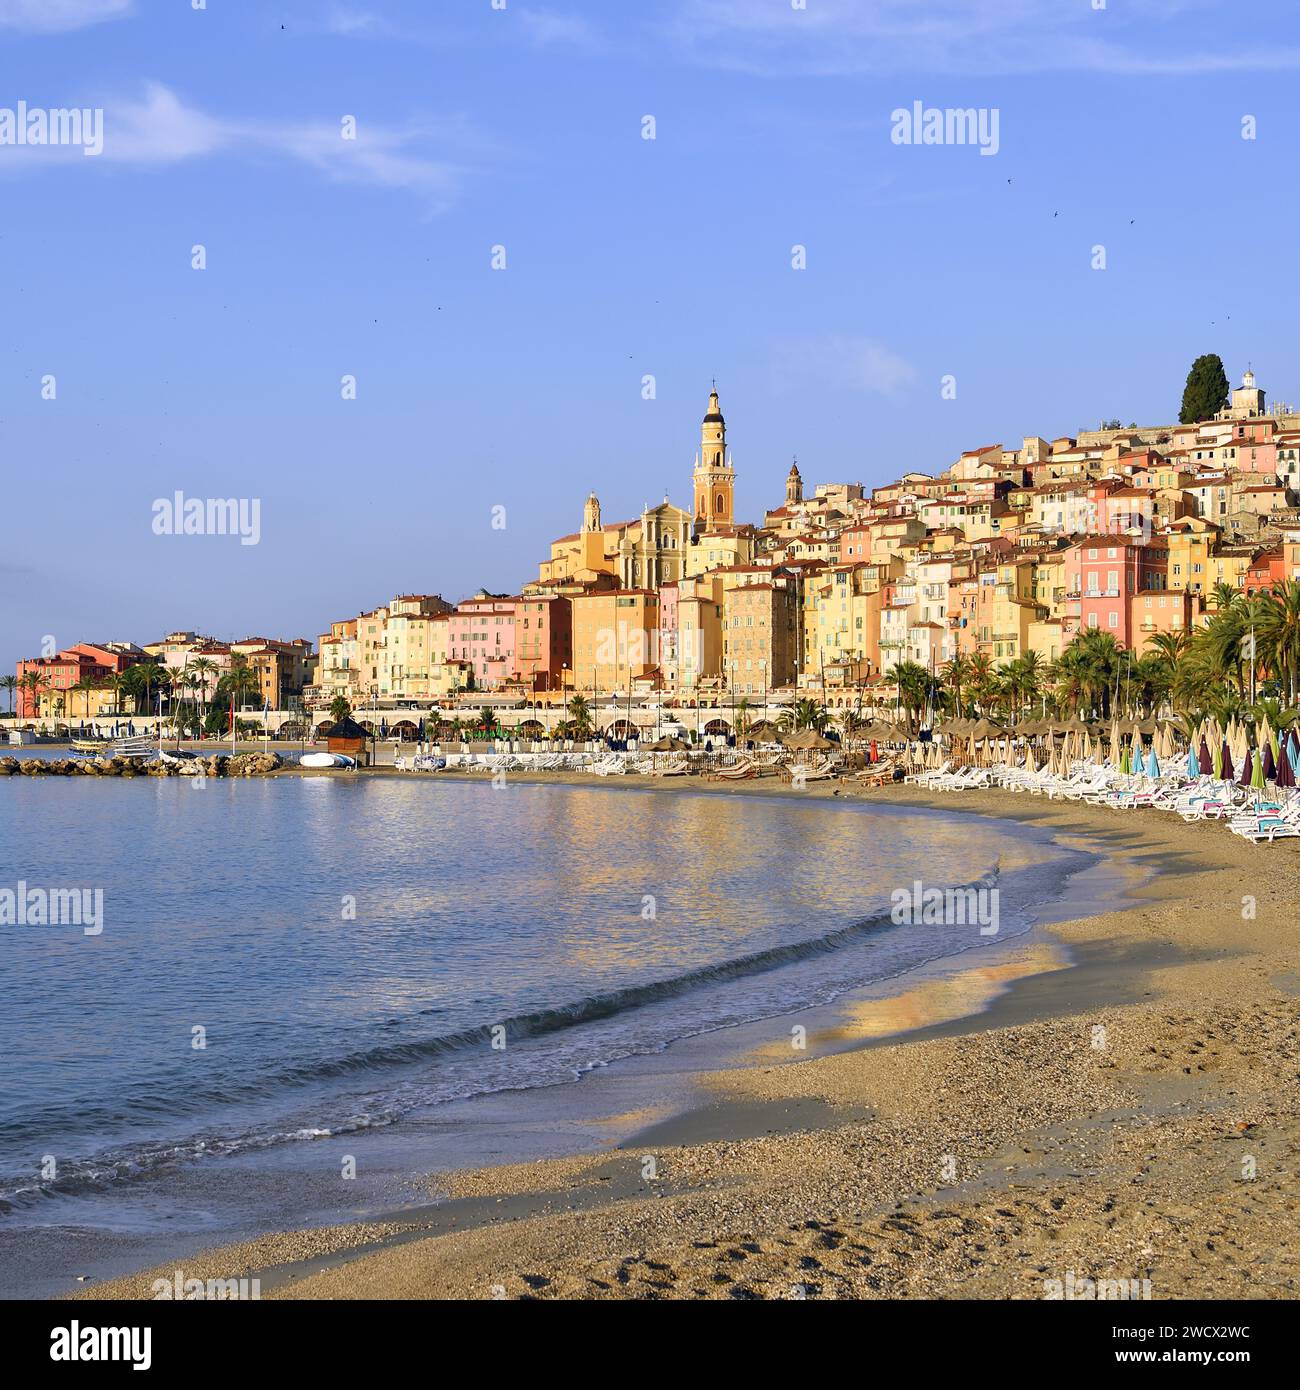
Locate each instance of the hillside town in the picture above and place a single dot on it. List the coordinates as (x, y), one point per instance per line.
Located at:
(1006, 555)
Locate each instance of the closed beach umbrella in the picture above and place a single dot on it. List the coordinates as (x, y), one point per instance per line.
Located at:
(1216, 765)
(1257, 773)
(1246, 770)
(1285, 772)
(1030, 764)
(1226, 770)
(1193, 763)
(1270, 767)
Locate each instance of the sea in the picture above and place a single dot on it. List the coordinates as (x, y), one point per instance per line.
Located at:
(286, 974)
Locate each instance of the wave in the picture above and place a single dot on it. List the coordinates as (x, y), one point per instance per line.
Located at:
(135, 1160)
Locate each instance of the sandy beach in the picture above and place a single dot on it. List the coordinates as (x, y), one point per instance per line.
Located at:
(1119, 1103)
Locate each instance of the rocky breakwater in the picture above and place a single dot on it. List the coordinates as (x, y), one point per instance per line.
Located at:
(217, 765)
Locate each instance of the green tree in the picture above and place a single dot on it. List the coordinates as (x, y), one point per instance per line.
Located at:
(580, 716)
(914, 688)
(9, 684)
(1206, 392)
(33, 682)
(804, 714)
(339, 709)
(957, 673)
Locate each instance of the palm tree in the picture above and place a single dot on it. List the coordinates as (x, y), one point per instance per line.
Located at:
(1223, 596)
(1279, 635)
(580, 714)
(981, 678)
(84, 687)
(914, 687)
(9, 684)
(144, 678)
(241, 682)
(957, 673)
(202, 668)
(339, 709)
(804, 714)
(34, 682)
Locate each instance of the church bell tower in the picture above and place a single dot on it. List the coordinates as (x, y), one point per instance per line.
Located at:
(715, 477)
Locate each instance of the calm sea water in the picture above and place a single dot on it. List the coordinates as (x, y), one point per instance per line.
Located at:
(349, 952)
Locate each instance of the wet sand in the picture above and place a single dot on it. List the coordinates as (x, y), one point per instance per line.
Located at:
(1120, 1103)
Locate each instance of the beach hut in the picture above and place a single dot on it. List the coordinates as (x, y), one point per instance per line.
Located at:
(349, 738)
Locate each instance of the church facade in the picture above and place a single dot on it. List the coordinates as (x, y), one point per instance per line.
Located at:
(655, 548)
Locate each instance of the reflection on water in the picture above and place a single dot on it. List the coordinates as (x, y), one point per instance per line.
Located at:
(347, 946)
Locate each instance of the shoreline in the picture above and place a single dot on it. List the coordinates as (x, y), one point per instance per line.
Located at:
(858, 1136)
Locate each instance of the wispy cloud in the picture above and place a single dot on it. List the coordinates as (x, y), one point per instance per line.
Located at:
(350, 22)
(159, 129)
(550, 27)
(844, 362)
(973, 37)
(59, 16)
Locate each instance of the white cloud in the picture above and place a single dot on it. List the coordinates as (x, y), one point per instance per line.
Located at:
(347, 22)
(970, 37)
(59, 16)
(546, 27)
(844, 362)
(160, 129)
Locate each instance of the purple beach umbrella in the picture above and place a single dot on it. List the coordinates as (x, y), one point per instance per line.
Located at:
(1285, 772)
(1227, 762)
(1246, 770)
(1270, 772)
(1204, 758)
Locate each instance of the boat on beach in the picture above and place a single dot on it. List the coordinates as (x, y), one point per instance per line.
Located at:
(326, 760)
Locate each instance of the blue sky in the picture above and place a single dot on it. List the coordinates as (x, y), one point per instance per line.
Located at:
(522, 127)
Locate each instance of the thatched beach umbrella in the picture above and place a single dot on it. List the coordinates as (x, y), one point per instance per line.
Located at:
(765, 730)
(667, 744)
(806, 739)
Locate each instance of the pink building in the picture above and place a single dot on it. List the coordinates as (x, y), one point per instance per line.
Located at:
(1102, 574)
(481, 631)
(543, 640)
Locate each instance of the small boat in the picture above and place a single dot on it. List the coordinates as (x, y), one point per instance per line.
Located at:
(326, 760)
(89, 745)
(132, 748)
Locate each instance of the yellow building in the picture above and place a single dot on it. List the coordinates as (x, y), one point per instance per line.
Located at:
(760, 634)
(690, 633)
(720, 549)
(615, 639)
(844, 619)
(1191, 540)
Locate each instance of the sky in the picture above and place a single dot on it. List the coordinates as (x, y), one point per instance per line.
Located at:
(491, 398)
